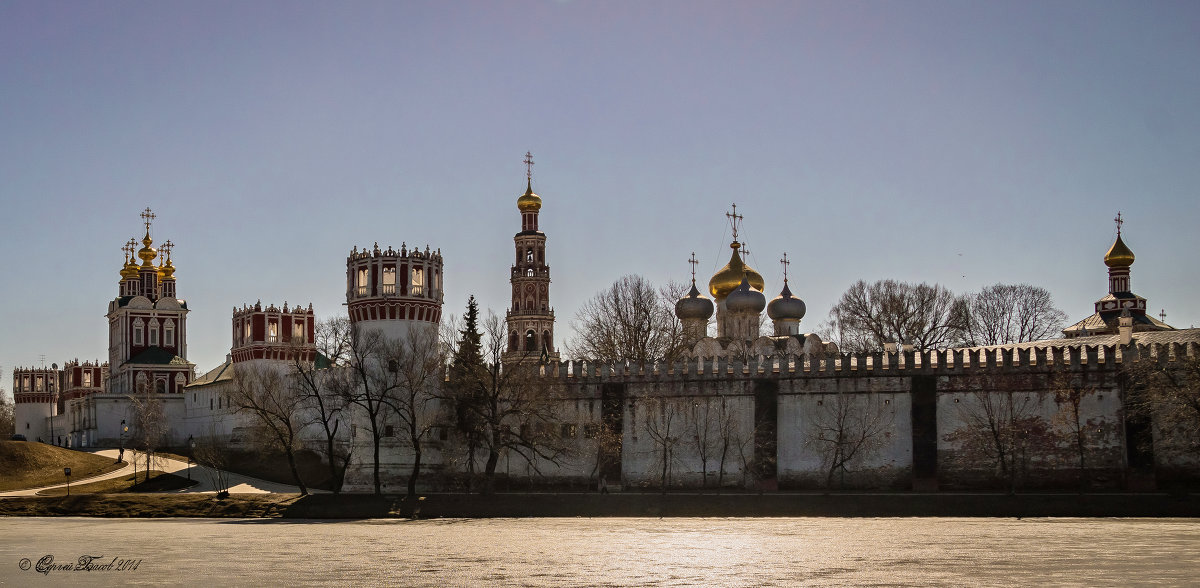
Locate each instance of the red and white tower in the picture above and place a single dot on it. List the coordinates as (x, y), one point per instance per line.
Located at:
(392, 291)
(273, 333)
(147, 324)
(531, 318)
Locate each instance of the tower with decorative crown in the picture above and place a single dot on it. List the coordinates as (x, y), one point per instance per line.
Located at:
(1120, 300)
(392, 291)
(530, 320)
(147, 324)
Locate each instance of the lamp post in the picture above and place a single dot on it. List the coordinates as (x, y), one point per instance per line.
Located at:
(191, 453)
(53, 404)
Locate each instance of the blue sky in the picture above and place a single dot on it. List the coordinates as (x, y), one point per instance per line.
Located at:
(965, 143)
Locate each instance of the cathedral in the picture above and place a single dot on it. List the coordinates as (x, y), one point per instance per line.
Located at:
(741, 409)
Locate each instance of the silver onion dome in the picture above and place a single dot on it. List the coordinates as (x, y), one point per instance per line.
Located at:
(786, 306)
(694, 306)
(745, 299)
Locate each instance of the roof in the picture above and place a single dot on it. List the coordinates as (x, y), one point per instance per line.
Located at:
(1139, 338)
(1108, 321)
(220, 373)
(157, 356)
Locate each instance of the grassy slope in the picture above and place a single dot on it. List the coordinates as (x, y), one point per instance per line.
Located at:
(159, 482)
(27, 464)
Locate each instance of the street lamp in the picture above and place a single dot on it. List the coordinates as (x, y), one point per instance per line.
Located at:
(124, 429)
(53, 405)
(192, 445)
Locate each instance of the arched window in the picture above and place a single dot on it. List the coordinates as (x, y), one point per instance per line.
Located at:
(546, 341)
(418, 281)
(389, 280)
(512, 341)
(139, 327)
(529, 255)
(169, 333)
(530, 341)
(529, 272)
(363, 285)
(153, 333)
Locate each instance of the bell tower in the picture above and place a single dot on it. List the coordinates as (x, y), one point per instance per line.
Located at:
(530, 319)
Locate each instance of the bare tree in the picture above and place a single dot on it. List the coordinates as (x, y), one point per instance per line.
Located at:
(149, 422)
(7, 420)
(1070, 391)
(261, 390)
(508, 408)
(212, 454)
(1168, 393)
(324, 390)
(372, 387)
(703, 422)
(869, 316)
(419, 367)
(1002, 429)
(333, 340)
(606, 445)
(664, 425)
(1012, 313)
(848, 429)
(630, 321)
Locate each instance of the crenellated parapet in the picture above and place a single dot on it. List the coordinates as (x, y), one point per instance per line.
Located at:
(394, 285)
(273, 333)
(946, 362)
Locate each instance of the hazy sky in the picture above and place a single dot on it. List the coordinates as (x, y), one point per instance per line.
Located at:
(965, 143)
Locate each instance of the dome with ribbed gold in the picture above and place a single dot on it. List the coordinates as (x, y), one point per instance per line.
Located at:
(529, 202)
(147, 253)
(1119, 254)
(726, 279)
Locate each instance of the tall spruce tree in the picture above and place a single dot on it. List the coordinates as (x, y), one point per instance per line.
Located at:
(468, 372)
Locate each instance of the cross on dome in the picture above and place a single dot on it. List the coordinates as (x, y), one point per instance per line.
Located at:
(785, 263)
(147, 217)
(166, 247)
(528, 166)
(693, 262)
(1119, 222)
(735, 220)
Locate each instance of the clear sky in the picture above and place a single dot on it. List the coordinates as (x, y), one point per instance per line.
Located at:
(959, 142)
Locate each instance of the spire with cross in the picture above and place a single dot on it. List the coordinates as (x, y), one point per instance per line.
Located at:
(128, 248)
(735, 221)
(166, 248)
(1162, 314)
(1119, 222)
(528, 166)
(147, 217)
(693, 262)
(785, 263)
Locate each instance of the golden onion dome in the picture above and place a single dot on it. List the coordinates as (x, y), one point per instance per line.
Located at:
(167, 270)
(529, 202)
(130, 270)
(147, 253)
(728, 278)
(1119, 254)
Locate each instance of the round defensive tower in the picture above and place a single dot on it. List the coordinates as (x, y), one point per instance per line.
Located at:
(391, 291)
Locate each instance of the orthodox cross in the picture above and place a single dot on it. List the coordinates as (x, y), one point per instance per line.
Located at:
(735, 219)
(693, 262)
(1162, 315)
(528, 166)
(1119, 222)
(785, 263)
(147, 217)
(128, 249)
(166, 247)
